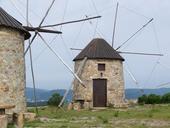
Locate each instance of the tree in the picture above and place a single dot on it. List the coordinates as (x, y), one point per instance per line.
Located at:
(142, 99)
(165, 98)
(150, 99)
(153, 99)
(55, 99)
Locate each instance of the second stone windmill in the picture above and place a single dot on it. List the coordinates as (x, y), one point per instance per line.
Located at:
(102, 73)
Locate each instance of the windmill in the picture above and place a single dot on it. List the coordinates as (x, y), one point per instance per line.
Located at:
(86, 52)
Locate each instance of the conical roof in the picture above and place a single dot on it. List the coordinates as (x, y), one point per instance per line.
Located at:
(99, 49)
(7, 20)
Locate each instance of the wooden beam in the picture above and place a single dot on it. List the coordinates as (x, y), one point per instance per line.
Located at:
(71, 22)
(79, 71)
(135, 33)
(114, 27)
(140, 53)
(76, 49)
(41, 30)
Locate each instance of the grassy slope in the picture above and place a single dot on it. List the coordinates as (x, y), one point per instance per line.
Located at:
(139, 117)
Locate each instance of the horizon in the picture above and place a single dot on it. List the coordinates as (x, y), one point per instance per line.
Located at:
(125, 88)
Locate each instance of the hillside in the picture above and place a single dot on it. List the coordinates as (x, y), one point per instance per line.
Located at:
(44, 95)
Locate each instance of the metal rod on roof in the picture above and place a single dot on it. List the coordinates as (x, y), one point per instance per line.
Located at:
(31, 62)
(135, 34)
(41, 30)
(140, 53)
(71, 22)
(114, 28)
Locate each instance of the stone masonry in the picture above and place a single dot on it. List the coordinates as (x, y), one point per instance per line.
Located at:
(115, 81)
(12, 69)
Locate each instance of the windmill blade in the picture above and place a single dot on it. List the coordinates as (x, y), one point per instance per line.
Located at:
(140, 53)
(114, 27)
(131, 75)
(135, 34)
(31, 61)
(78, 72)
(36, 32)
(71, 22)
(79, 49)
(162, 85)
(41, 30)
(63, 62)
(29, 45)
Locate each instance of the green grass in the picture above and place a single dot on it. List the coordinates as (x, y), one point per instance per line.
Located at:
(136, 117)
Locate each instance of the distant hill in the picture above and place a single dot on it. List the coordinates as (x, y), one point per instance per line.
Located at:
(135, 93)
(44, 95)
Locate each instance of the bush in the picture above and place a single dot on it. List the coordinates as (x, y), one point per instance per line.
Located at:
(143, 99)
(55, 99)
(165, 98)
(116, 114)
(150, 99)
(153, 99)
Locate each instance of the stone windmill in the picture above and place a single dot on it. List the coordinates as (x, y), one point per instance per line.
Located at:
(12, 63)
(102, 74)
(100, 67)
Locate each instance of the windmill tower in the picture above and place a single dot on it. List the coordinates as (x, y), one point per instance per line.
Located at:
(102, 73)
(12, 63)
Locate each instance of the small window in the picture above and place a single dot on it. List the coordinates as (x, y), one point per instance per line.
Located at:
(101, 67)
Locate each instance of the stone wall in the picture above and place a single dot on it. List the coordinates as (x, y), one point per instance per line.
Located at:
(115, 81)
(12, 69)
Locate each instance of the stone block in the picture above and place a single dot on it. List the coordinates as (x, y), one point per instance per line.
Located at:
(3, 121)
(87, 105)
(29, 116)
(70, 106)
(77, 106)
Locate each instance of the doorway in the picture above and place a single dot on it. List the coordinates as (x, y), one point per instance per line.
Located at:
(99, 92)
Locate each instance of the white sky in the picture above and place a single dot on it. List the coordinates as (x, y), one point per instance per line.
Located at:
(50, 73)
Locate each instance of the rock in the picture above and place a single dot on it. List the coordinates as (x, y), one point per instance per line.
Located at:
(20, 120)
(87, 105)
(29, 116)
(3, 121)
(70, 106)
(77, 106)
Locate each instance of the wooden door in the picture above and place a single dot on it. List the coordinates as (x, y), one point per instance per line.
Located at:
(99, 92)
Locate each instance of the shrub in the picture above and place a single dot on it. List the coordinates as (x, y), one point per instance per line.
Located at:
(150, 99)
(153, 99)
(55, 99)
(104, 120)
(116, 114)
(142, 99)
(165, 98)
